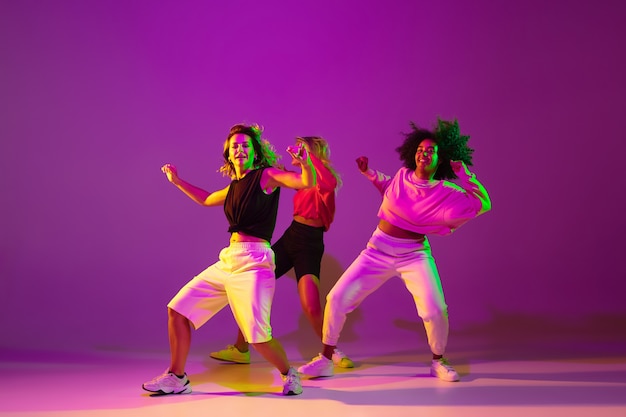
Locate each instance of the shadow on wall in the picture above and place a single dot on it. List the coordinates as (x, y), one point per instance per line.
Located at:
(505, 337)
(304, 338)
(522, 337)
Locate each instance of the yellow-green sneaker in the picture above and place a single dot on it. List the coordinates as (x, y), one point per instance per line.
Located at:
(231, 354)
(341, 360)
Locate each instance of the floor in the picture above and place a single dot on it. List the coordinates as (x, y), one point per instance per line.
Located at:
(500, 382)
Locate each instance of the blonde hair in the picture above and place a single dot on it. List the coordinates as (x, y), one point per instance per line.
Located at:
(264, 153)
(319, 147)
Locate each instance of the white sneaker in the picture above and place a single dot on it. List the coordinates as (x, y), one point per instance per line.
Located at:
(319, 366)
(342, 360)
(291, 383)
(231, 354)
(443, 370)
(168, 383)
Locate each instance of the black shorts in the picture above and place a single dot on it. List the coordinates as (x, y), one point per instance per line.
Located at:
(301, 247)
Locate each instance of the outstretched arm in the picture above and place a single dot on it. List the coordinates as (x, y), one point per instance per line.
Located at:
(200, 196)
(471, 185)
(380, 180)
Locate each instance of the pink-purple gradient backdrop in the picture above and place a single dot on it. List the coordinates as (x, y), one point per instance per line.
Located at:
(97, 95)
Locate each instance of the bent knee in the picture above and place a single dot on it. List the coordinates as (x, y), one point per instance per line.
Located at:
(435, 313)
(337, 300)
(175, 315)
(311, 307)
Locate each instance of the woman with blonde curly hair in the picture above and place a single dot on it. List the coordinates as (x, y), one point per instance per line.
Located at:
(302, 245)
(417, 201)
(243, 278)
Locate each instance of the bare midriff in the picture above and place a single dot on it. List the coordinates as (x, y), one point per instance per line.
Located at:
(309, 222)
(395, 231)
(242, 237)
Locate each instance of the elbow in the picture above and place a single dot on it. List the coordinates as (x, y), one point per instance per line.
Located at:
(486, 206)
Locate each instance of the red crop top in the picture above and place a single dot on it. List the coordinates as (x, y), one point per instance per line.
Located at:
(317, 202)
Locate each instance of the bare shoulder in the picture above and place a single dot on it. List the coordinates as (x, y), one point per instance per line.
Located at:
(269, 178)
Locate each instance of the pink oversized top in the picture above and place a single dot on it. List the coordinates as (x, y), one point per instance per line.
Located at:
(427, 207)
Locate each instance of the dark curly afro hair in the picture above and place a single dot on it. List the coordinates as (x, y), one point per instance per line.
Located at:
(452, 146)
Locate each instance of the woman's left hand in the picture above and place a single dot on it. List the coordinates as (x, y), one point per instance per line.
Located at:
(460, 169)
(299, 153)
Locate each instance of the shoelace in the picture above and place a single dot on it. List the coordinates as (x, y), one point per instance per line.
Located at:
(446, 365)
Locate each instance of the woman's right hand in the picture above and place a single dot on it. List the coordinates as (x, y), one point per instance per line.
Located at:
(170, 171)
(362, 163)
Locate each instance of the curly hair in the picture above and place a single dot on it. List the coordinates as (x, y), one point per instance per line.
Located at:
(264, 153)
(319, 147)
(451, 146)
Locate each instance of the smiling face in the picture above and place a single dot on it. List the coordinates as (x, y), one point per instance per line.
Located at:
(241, 152)
(426, 159)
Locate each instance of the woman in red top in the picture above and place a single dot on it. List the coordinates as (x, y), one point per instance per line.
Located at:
(302, 245)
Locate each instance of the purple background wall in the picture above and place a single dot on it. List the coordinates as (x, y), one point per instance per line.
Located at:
(96, 96)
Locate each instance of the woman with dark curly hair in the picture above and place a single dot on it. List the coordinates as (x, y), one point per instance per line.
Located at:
(417, 201)
(243, 278)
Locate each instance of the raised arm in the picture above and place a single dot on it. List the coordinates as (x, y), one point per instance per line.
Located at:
(200, 196)
(379, 179)
(473, 187)
(273, 177)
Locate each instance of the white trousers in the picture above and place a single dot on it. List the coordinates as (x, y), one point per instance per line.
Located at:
(242, 278)
(383, 258)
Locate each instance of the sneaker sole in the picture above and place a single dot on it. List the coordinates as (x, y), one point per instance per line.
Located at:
(433, 373)
(325, 375)
(230, 360)
(161, 392)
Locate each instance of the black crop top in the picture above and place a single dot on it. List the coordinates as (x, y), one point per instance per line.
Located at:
(248, 209)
